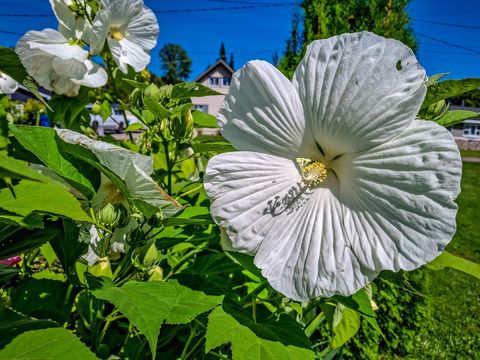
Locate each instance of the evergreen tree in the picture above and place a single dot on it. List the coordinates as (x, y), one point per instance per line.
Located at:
(223, 52)
(325, 18)
(231, 62)
(176, 64)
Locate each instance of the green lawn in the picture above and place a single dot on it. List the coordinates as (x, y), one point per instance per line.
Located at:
(470, 153)
(452, 298)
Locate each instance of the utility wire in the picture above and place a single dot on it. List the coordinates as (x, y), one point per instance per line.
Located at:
(449, 43)
(473, 27)
(10, 32)
(186, 10)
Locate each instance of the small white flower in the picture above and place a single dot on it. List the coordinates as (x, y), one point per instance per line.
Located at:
(70, 25)
(7, 84)
(336, 180)
(131, 30)
(57, 64)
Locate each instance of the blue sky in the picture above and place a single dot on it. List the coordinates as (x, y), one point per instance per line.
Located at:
(259, 33)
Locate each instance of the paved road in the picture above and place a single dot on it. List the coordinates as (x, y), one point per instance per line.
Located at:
(471, 159)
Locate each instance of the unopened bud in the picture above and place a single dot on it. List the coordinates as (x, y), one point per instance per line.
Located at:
(145, 257)
(152, 92)
(101, 268)
(96, 108)
(155, 274)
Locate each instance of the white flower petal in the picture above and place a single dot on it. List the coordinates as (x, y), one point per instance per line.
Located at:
(69, 68)
(306, 253)
(7, 84)
(100, 30)
(65, 17)
(64, 86)
(353, 94)
(53, 43)
(143, 29)
(245, 189)
(398, 197)
(126, 52)
(262, 112)
(95, 77)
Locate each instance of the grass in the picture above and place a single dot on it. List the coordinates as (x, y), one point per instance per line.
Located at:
(470, 153)
(453, 298)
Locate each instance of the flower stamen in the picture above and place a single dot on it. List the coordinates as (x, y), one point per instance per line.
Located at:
(313, 172)
(116, 34)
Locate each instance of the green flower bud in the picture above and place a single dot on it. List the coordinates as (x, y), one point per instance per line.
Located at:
(187, 123)
(155, 274)
(152, 92)
(145, 257)
(101, 268)
(96, 108)
(108, 215)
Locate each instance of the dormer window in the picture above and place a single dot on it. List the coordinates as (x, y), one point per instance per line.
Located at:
(214, 81)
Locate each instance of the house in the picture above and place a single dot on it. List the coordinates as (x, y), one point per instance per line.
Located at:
(467, 133)
(217, 77)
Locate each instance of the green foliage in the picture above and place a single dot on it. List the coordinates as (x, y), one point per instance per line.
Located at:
(223, 328)
(171, 303)
(321, 19)
(447, 260)
(55, 343)
(11, 65)
(176, 64)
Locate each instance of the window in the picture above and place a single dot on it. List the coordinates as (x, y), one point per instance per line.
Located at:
(214, 81)
(201, 107)
(471, 130)
(226, 81)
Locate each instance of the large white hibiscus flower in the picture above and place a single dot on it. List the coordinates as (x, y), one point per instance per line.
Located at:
(336, 180)
(131, 31)
(57, 64)
(7, 84)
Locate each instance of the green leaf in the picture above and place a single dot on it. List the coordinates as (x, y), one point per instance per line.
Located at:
(53, 344)
(31, 196)
(347, 327)
(157, 109)
(191, 89)
(209, 143)
(246, 261)
(70, 112)
(150, 304)
(134, 127)
(105, 110)
(434, 78)
(52, 151)
(13, 323)
(11, 65)
(453, 117)
(360, 302)
(284, 329)
(31, 221)
(454, 262)
(15, 240)
(449, 88)
(16, 169)
(68, 249)
(190, 216)
(224, 328)
(44, 299)
(203, 120)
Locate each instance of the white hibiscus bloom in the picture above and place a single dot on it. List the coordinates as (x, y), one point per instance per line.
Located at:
(7, 84)
(131, 30)
(69, 24)
(57, 64)
(336, 180)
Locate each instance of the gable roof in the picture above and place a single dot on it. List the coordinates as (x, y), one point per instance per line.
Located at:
(210, 69)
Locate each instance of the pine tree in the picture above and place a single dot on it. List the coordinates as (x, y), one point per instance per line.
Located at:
(325, 18)
(231, 62)
(223, 52)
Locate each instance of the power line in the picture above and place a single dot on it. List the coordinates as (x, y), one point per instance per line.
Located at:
(186, 10)
(448, 24)
(449, 43)
(10, 32)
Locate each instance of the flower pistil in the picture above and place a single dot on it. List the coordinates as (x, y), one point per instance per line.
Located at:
(313, 172)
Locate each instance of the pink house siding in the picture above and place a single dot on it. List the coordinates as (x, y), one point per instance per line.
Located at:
(216, 77)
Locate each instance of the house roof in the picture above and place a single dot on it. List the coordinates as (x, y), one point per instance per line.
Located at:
(210, 69)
